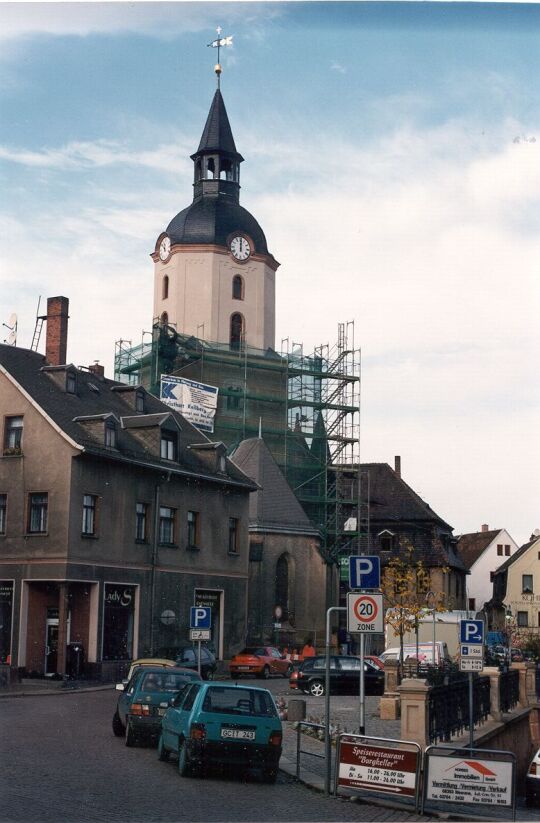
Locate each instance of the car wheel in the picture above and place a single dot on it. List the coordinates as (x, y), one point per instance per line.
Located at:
(288, 671)
(265, 673)
(184, 766)
(269, 775)
(131, 737)
(162, 752)
(316, 689)
(118, 729)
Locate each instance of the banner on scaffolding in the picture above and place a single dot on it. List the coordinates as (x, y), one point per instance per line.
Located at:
(197, 402)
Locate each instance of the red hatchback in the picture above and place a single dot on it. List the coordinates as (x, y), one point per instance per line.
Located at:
(261, 661)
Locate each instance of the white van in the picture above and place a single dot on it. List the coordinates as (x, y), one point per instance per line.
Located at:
(425, 652)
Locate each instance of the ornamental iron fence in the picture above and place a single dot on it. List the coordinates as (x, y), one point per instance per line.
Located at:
(508, 690)
(448, 707)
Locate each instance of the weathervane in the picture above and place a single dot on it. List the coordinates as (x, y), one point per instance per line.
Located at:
(217, 44)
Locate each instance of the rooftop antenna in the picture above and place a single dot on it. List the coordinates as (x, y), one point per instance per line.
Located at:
(11, 325)
(217, 44)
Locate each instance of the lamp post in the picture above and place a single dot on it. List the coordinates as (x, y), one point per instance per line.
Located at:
(431, 595)
(509, 616)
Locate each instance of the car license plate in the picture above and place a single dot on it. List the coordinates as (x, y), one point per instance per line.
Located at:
(238, 734)
(243, 668)
(161, 712)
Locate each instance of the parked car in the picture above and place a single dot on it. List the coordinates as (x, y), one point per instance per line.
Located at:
(187, 656)
(532, 782)
(344, 676)
(145, 662)
(425, 652)
(375, 660)
(222, 724)
(262, 661)
(144, 700)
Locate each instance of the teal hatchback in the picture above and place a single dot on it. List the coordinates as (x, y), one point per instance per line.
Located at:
(222, 725)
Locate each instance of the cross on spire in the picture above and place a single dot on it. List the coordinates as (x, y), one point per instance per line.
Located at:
(217, 44)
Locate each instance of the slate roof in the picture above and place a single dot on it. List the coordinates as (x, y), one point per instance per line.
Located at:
(217, 134)
(393, 499)
(211, 219)
(472, 546)
(27, 369)
(273, 506)
(520, 552)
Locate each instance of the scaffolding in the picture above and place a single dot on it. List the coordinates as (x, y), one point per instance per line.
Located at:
(307, 407)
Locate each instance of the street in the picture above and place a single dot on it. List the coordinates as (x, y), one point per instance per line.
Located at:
(61, 762)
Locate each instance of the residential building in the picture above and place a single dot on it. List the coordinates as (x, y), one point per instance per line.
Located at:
(516, 585)
(482, 553)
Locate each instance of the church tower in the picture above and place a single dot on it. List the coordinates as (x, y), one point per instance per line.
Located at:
(214, 277)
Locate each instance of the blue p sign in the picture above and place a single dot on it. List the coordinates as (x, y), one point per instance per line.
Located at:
(200, 617)
(364, 572)
(472, 631)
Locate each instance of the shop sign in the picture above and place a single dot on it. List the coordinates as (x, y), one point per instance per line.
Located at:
(209, 599)
(470, 780)
(392, 771)
(121, 596)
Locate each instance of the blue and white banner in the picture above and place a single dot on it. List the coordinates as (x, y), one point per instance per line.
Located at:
(197, 402)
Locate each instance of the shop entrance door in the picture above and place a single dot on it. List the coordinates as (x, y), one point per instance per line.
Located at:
(51, 646)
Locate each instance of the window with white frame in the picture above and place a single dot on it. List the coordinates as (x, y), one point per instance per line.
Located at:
(38, 503)
(89, 515)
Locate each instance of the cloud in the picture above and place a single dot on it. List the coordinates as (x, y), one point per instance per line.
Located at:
(334, 66)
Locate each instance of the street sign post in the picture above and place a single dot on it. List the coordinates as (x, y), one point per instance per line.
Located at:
(365, 613)
(471, 664)
(364, 572)
(200, 623)
(471, 651)
(471, 635)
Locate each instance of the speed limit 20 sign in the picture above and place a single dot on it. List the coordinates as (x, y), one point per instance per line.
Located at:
(365, 613)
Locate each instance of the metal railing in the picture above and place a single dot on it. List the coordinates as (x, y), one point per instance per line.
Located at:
(508, 690)
(448, 708)
(299, 751)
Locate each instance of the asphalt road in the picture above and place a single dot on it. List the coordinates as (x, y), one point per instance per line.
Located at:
(59, 761)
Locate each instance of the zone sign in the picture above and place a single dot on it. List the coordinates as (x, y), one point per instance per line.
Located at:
(365, 613)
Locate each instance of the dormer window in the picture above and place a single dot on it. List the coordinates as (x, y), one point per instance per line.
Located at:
(71, 382)
(168, 444)
(139, 401)
(110, 434)
(386, 540)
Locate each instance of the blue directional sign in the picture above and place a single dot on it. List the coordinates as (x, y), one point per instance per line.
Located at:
(364, 572)
(471, 632)
(200, 617)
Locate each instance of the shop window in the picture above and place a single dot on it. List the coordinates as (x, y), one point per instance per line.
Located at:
(38, 503)
(166, 525)
(118, 621)
(89, 515)
(6, 616)
(233, 535)
(523, 619)
(3, 513)
(168, 444)
(527, 584)
(140, 522)
(193, 529)
(13, 433)
(238, 287)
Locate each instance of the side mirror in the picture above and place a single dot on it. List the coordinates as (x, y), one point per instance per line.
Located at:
(120, 687)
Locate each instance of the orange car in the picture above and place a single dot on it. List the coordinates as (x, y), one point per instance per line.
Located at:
(261, 661)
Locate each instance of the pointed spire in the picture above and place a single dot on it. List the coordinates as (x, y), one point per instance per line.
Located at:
(217, 134)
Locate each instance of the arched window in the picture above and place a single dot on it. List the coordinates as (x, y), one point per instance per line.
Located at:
(282, 585)
(165, 287)
(238, 331)
(238, 287)
(210, 168)
(164, 319)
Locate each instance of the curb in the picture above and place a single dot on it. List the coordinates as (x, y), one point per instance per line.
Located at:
(58, 691)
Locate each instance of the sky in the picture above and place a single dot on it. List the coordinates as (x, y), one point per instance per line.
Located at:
(392, 157)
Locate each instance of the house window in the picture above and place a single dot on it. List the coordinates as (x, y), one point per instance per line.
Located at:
(507, 550)
(193, 529)
(110, 434)
(13, 435)
(491, 577)
(233, 400)
(472, 604)
(71, 382)
(165, 288)
(526, 583)
(168, 445)
(3, 513)
(139, 401)
(238, 287)
(37, 513)
(166, 525)
(237, 334)
(523, 619)
(140, 522)
(89, 515)
(233, 535)
(499, 549)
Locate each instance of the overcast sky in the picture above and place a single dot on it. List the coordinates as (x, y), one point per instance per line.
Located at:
(393, 160)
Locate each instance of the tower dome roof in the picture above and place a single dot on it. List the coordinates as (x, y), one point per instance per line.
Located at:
(212, 220)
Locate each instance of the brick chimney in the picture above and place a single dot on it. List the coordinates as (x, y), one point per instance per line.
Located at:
(57, 330)
(96, 369)
(484, 527)
(397, 465)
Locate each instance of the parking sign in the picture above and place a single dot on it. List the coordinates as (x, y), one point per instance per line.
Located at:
(200, 617)
(471, 632)
(364, 572)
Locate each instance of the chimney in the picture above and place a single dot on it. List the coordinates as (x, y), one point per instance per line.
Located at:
(485, 527)
(96, 369)
(57, 329)
(397, 465)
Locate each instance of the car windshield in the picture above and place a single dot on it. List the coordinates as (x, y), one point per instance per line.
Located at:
(158, 682)
(257, 651)
(236, 700)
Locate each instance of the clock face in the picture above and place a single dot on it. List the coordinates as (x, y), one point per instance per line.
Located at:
(165, 248)
(240, 248)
